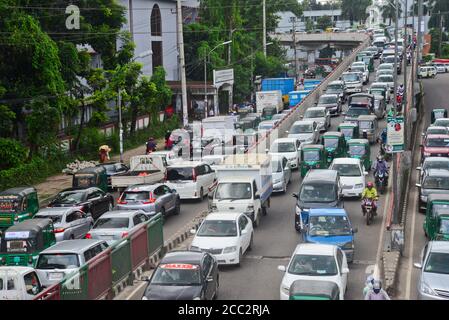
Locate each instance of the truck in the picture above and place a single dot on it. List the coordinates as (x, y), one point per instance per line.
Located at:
(23, 283)
(286, 85)
(244, 184)
(296, 97)
(222, 127)
(146, 169)
(268, 103)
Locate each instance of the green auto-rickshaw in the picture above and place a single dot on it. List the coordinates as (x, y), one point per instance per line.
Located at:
(335, 144)
(349, 130)
(437, 114)
(436, 223)
(360, 149)
(368, 125)
(369, 61)
(17, 204)
(314, 290)
(91, 177)
(313, 156)
(22, 243)
(268, 113)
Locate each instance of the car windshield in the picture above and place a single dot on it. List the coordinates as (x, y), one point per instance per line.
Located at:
(233, 191)
(385, 78)
(57, 261)
(329, 226)
(335, 87)
(177, 274)
(277, 117)
(331, 142)
(268, 111)
(218, 228)
(266, 126)
(312, 155)
(356, 150)
(301, 128)
(385, 67)
(112, 223)
(389, 59)
(444, 226)
(283, 147)
(358, 68)
(355, 112)
(437, 262)
(135, 196)
(55, 218)
(179, 174)
(441, 123)
(438, 206)
(436, 183)
(70, 197)
(347, 170)
(438, 142)
(351, 77)
(314, 114)
(328, 100)
(436, 165)
(377, 92)
(110, 168)
(276, 166)
(334, 90)
(366, 124)
(313, 265)
(318, 192)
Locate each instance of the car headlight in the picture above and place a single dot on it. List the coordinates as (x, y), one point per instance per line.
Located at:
(427, 154)
(285, 290)
(426, 289)
(230, 249)
(250, 208)
(197, 298)
(348, 246)
(194, 248)
(359, 185)
(292, 159)
(144, 298)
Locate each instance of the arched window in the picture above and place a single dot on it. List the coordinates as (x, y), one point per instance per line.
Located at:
(156, 22)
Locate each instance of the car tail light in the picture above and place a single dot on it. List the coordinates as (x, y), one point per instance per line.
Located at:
(59, 230)
(194, 175)
(88, 236)
(125, 234)
(151, 200)
(119, 201)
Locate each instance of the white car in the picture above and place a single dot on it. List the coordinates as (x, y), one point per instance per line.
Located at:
(289, 148)
(225, 235)
(352, 175)
(319, 262)
(306, 131)
(281, 172)
(168, 156)
(191, 179)
(267, 125)
(361, 67)
(441, 68)
(388, 79)
(427, 72)
(320, 115)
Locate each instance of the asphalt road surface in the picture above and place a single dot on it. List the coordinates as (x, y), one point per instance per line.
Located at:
(435, 96)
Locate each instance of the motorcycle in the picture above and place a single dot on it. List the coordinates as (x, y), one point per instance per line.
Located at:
(368, 211)
(381, 180)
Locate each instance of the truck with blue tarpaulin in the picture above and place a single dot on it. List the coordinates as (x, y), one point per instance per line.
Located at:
(285, 85)
(296, 97)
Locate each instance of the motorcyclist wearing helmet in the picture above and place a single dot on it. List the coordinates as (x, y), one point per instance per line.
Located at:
(377, 293)
(380, 166)
(370, 193)
(401, 90)
(368, 285)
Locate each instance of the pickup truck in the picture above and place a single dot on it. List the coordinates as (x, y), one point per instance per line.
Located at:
(148, 169)
(244, 184)
(19, 283)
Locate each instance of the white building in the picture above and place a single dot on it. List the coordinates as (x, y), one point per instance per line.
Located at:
(285, 25)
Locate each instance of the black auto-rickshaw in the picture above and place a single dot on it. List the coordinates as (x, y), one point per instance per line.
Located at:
(22, 243)
(17, 204)
(91, 177)
(437, 113)
(314, 290)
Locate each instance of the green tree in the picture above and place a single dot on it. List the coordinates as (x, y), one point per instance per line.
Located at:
(389, 12)
(355, 10)
(324, 22)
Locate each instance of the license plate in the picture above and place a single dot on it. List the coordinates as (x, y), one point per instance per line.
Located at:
(56, 276)
(107, 237)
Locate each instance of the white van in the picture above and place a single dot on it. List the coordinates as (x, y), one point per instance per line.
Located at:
(427, 72)
(19, 283)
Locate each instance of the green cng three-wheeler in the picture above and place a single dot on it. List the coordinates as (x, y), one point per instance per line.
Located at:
(17, 205)
(436, 223)
(437, 114)
(22, 243)
(335, 144)
(313, 156)
(349, 130)
(91, 177)
(314, 290)
(360, 149)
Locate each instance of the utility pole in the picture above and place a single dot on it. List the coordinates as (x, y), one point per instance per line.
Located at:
(395, 156)
(120, 124)
(185, 110)
(420, 30)
(404, 56)
(441, 34)
(264, 26)
(293, 21)
(413, 57)
(252, 75)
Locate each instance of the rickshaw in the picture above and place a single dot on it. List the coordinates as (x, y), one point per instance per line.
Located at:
(335, 144)
(314, 290)
(22, 243)
(360, 149)
(91, 177)
(437, 114)
(368, 127)
(436, 224)
(349, 130)
(17, 205)
(313, 156)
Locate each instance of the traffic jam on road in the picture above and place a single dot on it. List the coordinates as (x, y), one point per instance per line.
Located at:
(302, 220)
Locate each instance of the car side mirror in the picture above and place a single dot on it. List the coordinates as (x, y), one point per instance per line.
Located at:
(210, 279)
(345, 270)
(355, 230)
(35, 290)
(267, 150)
(144, 278)
(173, 190)
(417, 265)
(192, 231)
(418, 185)
(419, 168)
(365, 173)
(301, 117)
(282, 268)
(257, 196)
(295, 195)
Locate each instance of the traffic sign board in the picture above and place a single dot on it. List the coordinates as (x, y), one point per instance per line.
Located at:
(395, 135)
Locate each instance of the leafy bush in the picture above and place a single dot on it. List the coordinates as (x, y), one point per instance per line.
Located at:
(24, 174)
(12, 153)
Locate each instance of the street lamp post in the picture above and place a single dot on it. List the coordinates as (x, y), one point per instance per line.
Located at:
(205, 73)
(395, 157)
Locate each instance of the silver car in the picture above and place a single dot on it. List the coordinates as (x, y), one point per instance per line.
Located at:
(320, 115)
(433, 283)
(306, 131)
(115, 225)
(69, 223)
(152, 199)
(281, 173)
(331, 102)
